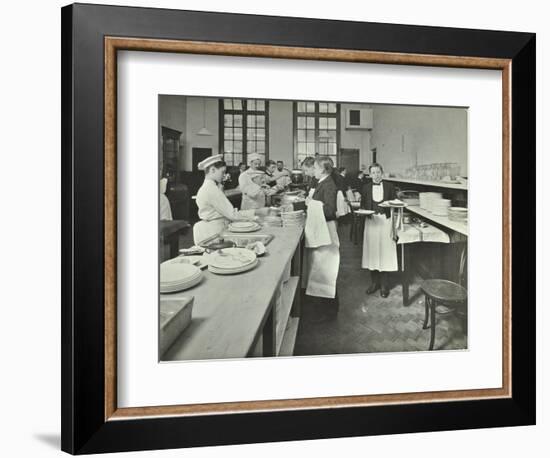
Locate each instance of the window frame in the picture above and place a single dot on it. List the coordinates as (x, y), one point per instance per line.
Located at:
(222, 111)
(317, 114)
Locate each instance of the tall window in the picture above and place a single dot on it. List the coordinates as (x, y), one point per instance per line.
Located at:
(244, 127)
(316, 130)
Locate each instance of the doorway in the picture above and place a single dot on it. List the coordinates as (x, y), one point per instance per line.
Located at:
(349, 158)
(198, 155)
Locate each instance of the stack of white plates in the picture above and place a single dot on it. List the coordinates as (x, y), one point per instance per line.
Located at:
(244, 226)
(232, 261)
(426, 198)
(178, 276)
(459, 214)
(440, 207)
(293, 218)
(273, 221)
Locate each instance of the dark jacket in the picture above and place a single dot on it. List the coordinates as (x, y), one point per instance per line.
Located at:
(366, 197)
(325, 191)
(339, 181)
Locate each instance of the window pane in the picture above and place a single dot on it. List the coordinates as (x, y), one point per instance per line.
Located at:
(302, 148)
(238, 147)
(251, 105)
(238, 120)
(332, 108)
(301, 135)
(260, 147)
(260, 121)
(237, 104)
(228, 104)
(332, 123)
(250, 146)
(228, 133)
(260, 134)
(250, 134)
(323, 107)
(228, 158)
(323, 123)
(310, 149)
(311, 136)
(332, 149)
(251, 120)
(228, 120)
(311, 123)
(301, 107)
(237, 133)
(228, 147)
(237, 158)
(301, 122)
(310, 107)
(260, 105)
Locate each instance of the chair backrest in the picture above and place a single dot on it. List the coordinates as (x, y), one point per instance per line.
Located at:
(463, 267)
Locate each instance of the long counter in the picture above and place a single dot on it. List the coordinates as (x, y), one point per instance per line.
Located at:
(235, 316)
(444, 221)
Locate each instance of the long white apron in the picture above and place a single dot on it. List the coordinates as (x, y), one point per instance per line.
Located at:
(379, 249)
(321, 266)
(205, 229)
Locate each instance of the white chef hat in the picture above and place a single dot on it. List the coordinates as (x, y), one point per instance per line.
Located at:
(254, 157)
(203, 165)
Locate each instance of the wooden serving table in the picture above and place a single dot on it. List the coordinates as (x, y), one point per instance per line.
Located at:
(169, 232)
(254, 313)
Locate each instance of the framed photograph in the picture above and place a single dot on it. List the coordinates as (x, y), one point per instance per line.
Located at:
(283, 228)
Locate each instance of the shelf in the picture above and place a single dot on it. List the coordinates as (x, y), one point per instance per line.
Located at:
(435, 184)
(289, 339)
(288, 292)
(462, 228)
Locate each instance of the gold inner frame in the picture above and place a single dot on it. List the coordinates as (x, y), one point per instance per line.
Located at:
(114, 44)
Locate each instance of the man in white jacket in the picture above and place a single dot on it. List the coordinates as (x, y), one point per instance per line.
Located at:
(252, 184)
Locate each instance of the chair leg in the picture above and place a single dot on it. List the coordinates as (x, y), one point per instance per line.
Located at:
(432, 323)
(426, 311)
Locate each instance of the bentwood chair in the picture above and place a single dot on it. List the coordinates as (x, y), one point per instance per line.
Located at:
(444, 297)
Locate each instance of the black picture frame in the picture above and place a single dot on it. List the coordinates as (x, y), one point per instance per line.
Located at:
(84, 427)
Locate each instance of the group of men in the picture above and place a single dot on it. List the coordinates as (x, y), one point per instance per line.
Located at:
(257, 184)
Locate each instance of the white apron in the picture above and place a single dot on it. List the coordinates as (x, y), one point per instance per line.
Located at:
(205, 229)
(321, 266)
(379, 249)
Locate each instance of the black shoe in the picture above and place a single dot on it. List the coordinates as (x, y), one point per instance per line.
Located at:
(372, 288)
(384, 292)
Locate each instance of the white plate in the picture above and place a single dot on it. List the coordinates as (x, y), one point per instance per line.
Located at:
(362, 211)
(239, 270)
(232, 258)
(243, 231)
(242, 224)
(181, 287)
(194, 259)
(177, 272)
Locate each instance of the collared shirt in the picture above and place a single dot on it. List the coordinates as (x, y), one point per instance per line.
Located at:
(213, 203)
(377, 192)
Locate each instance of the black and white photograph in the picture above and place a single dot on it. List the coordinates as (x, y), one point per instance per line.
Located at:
(310, 227)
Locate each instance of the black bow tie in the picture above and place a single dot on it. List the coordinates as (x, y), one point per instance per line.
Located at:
(377, 184)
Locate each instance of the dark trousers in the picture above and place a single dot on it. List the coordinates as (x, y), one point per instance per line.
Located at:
(379, 278)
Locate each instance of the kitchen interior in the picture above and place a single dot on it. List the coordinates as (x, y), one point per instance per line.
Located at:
(263, 311)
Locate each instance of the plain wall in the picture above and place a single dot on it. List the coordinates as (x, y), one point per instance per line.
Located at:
(281, 133)
(355, 138)
(195, 121)
(404, 136)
